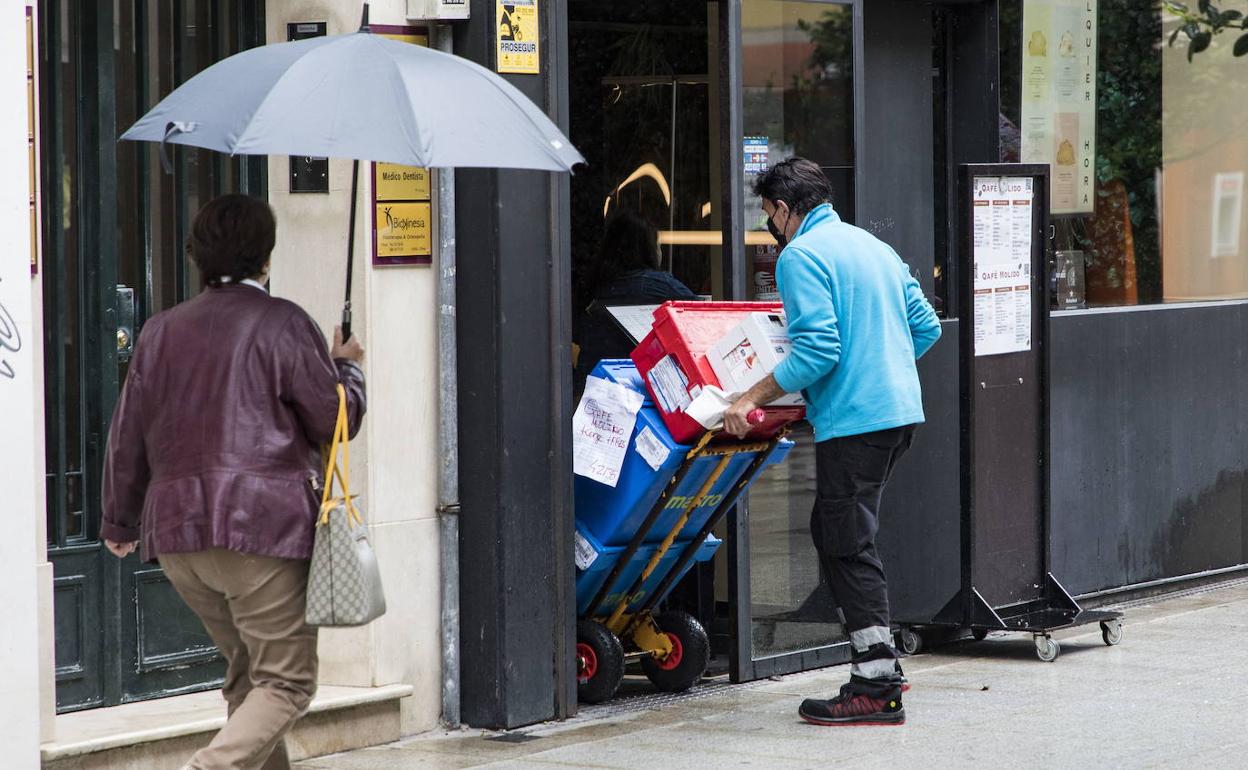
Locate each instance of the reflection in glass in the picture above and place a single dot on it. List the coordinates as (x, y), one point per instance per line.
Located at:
(641, 98)
(798, 100)
(1170, 154)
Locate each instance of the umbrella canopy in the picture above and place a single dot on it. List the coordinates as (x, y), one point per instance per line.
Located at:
(359, 96)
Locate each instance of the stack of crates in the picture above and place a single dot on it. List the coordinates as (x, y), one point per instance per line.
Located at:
(608, 517)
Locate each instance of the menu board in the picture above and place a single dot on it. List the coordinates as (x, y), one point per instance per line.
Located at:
(1003, 233)
(1059, 99)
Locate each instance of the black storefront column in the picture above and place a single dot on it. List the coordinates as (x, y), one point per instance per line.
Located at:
(517, 622)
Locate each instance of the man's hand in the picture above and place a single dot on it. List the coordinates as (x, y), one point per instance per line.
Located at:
(351, 350)
(736, 419)
(121, 550)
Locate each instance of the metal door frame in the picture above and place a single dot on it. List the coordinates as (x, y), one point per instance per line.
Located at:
(743, 666)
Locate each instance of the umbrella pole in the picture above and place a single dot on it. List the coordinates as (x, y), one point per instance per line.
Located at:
(346, 305)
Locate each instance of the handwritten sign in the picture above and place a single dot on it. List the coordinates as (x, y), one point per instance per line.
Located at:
(602, 429)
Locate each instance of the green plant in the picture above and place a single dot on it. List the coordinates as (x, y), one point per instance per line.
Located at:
(1199, 25)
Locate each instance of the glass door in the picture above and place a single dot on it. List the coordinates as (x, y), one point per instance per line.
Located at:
(799, 66)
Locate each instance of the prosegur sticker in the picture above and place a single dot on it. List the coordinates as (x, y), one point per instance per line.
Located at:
(585, 553)
(651, 449)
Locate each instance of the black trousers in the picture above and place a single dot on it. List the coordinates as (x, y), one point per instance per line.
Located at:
(851, 473)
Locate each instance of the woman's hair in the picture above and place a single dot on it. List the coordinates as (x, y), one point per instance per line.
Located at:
(231, 238)
(628, 243)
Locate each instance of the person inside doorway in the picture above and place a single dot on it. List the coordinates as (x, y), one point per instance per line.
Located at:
(213, 463)
(858, 320)
(625, 273)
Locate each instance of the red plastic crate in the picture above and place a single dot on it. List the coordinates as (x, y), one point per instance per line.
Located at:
(677, 345)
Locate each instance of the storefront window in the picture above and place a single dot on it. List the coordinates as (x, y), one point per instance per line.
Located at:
(644, 117)
(1166, 222)
(797, 100)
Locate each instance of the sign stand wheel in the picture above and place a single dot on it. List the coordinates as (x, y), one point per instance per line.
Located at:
(911, 642)
(1047, 648)
(1111, 631)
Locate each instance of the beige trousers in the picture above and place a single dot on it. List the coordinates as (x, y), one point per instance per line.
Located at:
(252, 607)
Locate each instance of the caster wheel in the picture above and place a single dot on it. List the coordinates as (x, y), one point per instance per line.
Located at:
(690, 655)
(1047, 648)
(980, 634)
(599, 662)
(1111, 631)
(911, 642)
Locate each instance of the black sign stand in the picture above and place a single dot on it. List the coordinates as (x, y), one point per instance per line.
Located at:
(1006, 584)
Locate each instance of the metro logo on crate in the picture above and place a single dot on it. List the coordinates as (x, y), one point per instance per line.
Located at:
(673, 363)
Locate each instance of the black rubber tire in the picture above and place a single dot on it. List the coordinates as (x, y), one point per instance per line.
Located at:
(695, 653)
(909, 641)
(1111, 632)
(980, 634)
(1047, 648)
(609, 662)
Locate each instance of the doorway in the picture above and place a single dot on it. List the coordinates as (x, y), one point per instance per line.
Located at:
(676, 107)
(113, 225)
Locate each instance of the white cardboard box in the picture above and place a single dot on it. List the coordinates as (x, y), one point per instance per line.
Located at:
(750, 352)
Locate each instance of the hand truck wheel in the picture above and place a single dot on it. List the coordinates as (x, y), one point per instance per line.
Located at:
(690, 655)
(599, 662)
(979, 634)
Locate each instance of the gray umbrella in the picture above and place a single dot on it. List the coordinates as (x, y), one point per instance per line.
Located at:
(364, 97)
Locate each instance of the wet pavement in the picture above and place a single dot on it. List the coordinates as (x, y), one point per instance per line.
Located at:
(1174, 693)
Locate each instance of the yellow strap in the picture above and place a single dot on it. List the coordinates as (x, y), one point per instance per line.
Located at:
(334, 471)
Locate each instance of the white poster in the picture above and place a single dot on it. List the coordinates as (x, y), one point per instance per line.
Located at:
(1059, 99)
(601, 429)
(1002, 260)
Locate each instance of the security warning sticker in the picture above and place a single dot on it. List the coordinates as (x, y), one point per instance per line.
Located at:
(518, 37)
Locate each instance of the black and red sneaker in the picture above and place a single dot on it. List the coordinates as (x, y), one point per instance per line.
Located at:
(855, 707)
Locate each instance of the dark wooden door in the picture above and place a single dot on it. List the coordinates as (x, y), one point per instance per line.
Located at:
(114, 223)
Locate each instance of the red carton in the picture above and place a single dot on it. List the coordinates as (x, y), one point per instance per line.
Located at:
(672, 362)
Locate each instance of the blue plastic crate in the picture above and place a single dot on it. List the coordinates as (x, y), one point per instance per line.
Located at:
(614, 514)
(588, 581)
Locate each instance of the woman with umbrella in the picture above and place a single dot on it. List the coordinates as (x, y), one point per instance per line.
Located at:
(212, 464)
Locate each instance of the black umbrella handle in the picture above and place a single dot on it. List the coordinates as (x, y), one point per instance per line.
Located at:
(346, 303)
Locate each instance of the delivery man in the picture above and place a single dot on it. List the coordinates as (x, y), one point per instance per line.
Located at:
(858, 321)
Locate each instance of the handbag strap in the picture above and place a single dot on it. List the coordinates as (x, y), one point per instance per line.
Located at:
(333, 470)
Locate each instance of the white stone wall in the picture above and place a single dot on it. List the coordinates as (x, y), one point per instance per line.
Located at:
(395, 456)
(21, 414)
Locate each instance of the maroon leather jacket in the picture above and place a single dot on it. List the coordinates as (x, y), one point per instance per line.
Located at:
(215, 442)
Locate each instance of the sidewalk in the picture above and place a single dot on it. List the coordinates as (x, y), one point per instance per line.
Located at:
(1140, 704)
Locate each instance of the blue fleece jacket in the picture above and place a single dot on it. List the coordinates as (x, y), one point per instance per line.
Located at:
(858, 321)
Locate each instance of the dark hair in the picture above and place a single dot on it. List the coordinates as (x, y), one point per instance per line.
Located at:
(232, 237)
(628, 243)
(796, 181)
